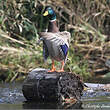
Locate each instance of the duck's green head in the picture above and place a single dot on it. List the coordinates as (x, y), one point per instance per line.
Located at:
(50, 12)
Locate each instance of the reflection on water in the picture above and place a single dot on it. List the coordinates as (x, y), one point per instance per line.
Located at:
(34, 105)
(96, 99)
(96, 103)
(11, 97)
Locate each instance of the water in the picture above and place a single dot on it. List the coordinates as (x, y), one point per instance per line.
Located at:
(11, 97)
(96, 100)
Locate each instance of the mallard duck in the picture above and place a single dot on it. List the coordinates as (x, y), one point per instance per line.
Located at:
(55, 43)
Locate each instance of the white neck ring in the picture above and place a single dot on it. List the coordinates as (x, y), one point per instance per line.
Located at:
(53, 20)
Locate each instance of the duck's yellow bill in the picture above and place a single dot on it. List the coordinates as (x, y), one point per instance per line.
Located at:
(46, 13)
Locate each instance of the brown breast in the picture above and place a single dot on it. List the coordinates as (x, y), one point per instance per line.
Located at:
(53, 27)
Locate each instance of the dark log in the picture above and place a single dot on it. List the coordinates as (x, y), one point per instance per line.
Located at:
(41, 85)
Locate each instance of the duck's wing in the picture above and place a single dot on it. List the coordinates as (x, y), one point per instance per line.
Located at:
(45, 51)
(65, 36)
(46, 35)
(58, 41)
(43, 35)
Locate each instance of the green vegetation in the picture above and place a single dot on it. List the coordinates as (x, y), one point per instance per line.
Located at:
(21, 20)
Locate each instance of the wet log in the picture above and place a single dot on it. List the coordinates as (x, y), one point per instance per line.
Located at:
(41, 85)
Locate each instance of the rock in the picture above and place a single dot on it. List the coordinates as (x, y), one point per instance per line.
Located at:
(97, 87)
(41, 85)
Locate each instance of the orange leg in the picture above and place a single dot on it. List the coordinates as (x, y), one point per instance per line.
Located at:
(53, 67)
(62, 68)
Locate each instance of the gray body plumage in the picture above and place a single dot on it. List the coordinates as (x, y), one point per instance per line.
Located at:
(52, 44)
